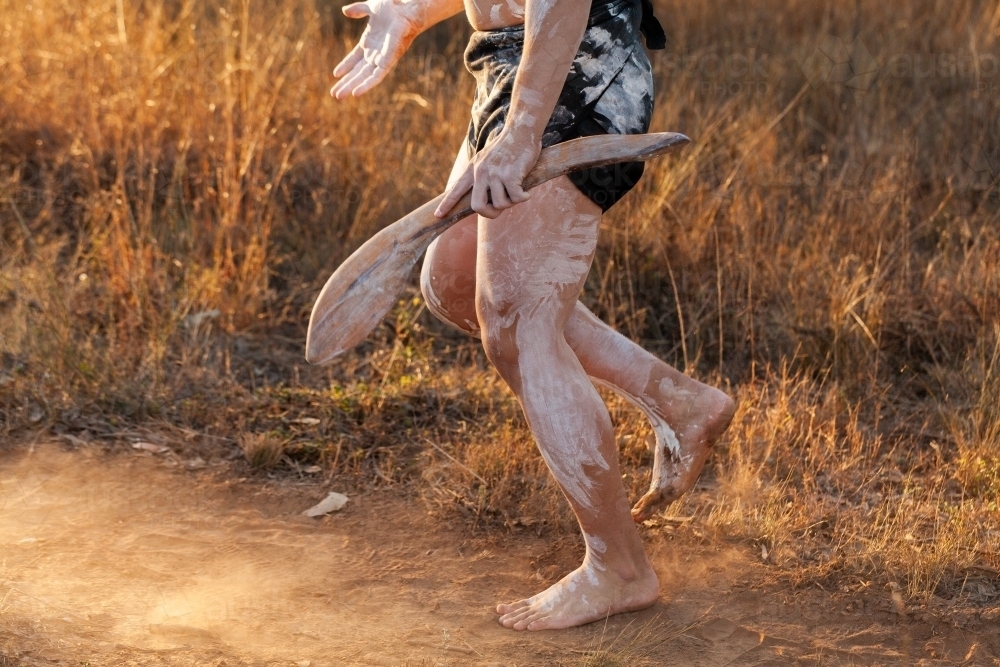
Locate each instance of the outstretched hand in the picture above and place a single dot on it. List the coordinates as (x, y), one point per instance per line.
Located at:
(389, 32)
(495, 175)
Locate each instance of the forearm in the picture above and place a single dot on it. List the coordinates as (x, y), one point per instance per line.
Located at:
(425, 13)
(553, 32)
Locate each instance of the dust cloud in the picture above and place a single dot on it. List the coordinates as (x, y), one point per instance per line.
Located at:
(128, 559)
(116, 558)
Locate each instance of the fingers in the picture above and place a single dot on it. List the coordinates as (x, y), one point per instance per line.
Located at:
(341, 89)
(481, 200)
(357, 10)
(517, 194)
(373, 80)
(356, 55)
(490, 196)
(498, 195)
(347, 85)
(362, 68)
(454, 193)
(365, 67)
(360, 80)
(384, 52)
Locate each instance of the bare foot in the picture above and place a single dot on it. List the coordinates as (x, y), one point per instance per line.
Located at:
(681, 454)
(589, 593)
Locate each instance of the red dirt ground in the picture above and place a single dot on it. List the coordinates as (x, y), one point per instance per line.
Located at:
(131, 559)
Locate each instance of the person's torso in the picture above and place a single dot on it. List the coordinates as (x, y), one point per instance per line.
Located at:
(494, 14)
(489, 15)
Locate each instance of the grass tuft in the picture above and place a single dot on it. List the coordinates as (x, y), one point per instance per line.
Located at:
(262, 451)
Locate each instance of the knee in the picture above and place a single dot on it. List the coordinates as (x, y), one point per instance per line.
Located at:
(515, 333)
(499, 335)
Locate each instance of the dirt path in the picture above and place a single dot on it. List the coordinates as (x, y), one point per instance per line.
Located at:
(115, 560)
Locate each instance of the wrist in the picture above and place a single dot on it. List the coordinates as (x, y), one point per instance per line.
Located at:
(525, 126)
(414, 13)
(422, 14)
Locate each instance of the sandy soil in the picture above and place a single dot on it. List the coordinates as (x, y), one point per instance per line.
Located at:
(132, 559)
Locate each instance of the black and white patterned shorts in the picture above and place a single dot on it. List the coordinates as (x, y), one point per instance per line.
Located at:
(609, 90)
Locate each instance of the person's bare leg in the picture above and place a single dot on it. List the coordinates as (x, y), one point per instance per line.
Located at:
(687, 416)
(448, 274)
(531, 264)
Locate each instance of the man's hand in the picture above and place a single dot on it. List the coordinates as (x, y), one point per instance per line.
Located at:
(553, 32)
(495, 174)
(391, 29)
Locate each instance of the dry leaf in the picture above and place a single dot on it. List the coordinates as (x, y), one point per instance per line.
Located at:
(332, 503)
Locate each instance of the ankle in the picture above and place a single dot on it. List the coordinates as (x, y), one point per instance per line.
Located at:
(625, 566)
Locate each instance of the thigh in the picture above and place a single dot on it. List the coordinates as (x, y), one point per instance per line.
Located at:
(448, 276)
(533, 259)
(455, 249)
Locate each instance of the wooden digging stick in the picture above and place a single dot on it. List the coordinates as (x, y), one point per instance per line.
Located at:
(365, 287)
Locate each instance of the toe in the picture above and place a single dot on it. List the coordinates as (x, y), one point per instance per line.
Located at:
(513, 620)
(647, 506)
(504, 609)
(540, 623)
(525, 622)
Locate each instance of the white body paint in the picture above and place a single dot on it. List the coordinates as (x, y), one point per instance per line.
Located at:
(516, 9)
(571, 446)
(666, 439)
(529, 291)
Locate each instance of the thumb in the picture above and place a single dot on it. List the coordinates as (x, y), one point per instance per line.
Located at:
(357, 10)
(453, 194)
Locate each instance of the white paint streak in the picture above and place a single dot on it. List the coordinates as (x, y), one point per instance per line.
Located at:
(515, 8)
(532, 97)
(666, 439)
(594, 543)
(528, 275)
(529, 120)
(670, 442)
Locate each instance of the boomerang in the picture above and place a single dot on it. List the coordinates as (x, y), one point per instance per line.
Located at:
(366, 286)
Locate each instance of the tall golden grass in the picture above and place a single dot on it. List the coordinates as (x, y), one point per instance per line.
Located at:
(175, 185)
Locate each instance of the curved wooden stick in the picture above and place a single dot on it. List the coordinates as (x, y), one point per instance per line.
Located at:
(365, 287)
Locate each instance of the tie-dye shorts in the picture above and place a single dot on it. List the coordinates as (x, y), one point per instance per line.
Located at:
(609, 90)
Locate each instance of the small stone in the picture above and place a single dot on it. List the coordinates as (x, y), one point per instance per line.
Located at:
(334, 502)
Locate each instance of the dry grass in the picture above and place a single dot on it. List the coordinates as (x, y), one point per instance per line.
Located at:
(262, 450)
(631, 646)
(175, 186)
